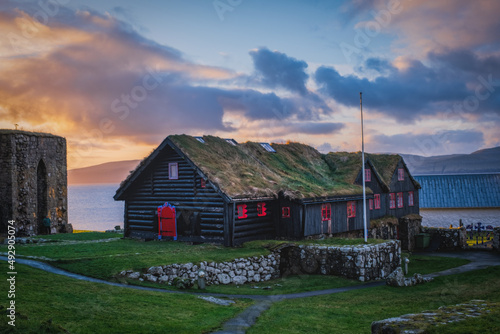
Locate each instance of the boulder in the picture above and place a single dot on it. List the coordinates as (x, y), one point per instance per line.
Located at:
(396, 278)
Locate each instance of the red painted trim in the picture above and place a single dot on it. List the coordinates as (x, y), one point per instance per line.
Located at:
(285, 212)
(261, 209)
(242, 211)
(326, 211)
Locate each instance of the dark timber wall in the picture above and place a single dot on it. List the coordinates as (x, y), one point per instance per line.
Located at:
(200, 211)
(404, 187)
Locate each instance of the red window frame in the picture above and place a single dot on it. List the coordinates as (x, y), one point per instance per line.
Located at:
(401, 174)
(410, 198)
(241, 210)
(400, 200)
(261, 209)
(173, 171)
(326, 211)
(351, 209)
(370, 203)
(392, 201)
(285, 212)
(376, 200)
(203, 183)
(368, 175)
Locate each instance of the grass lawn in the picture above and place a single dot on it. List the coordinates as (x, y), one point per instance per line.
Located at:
(354, 311)
(48, 303)
(430, 264)
(80, 236)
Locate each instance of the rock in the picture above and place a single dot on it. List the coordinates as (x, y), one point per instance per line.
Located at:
(218, 301)
(239, 280)
(158, 271)
(188, 266)
(396, 278)
(163, 279)
(224, 278)
(151, 278)
(134, 275)
(267, 278)
(256, 278)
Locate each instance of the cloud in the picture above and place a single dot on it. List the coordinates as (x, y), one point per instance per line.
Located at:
(276, 69)
(317, 128)
(406, 93)
(438, 143)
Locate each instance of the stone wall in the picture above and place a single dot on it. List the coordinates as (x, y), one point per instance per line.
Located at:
(496, 239)
(446, 239)
(33, 181)
(254, 269)
(364, 263)
(390, 228)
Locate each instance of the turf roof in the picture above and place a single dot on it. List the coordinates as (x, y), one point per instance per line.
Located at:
(248, 170)
(347, 165)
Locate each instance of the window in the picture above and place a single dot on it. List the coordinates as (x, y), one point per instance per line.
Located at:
(370, 204)
(267, 147)
(368, 175)
(400, 200)
(376, 199)
(173, 171)
(285, 212)
(200, 139)
(351, 209)
(203, 183)
(401, 174)
(242, 211)
(261, 209)
(392, 200)
(410, 198)
(326, 211)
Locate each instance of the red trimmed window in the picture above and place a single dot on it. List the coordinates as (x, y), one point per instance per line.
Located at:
(368, 175)
(326, 211)
(242, 211)
(285, 212)
(392, 201)
(203, 183)
(351, 209)
(400, 200)
(401, 174)
(376, 199)
(261, 209)
(410, 198)
(370, 204)
(173, 171)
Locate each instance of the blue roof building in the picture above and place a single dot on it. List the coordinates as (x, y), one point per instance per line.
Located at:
(460, 191)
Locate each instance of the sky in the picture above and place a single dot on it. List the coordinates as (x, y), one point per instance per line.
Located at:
(117, 77)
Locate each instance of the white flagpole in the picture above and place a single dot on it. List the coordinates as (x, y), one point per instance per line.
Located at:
(363, 167)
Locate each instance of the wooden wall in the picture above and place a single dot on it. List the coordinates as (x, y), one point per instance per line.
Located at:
(194, 205)
(402, 186)
(254, 227)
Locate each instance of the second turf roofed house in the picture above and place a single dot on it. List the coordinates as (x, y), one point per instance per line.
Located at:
(230, 193)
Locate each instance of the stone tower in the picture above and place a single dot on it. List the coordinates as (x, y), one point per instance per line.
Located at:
(33, 182)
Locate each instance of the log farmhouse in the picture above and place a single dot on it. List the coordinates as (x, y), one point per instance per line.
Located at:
(218, 190)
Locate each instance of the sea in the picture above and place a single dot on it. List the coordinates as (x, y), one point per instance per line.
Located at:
(92, 207)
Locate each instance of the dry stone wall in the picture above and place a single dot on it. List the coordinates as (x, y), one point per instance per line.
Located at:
(446, 239)
(363, 263)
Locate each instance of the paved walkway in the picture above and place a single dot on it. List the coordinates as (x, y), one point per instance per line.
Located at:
(246, 319)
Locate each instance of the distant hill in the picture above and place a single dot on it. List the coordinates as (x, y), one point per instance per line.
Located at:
(482, 161)
(110, 172)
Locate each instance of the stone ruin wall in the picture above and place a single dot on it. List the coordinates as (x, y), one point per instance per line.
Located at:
(363, 263)
(30, 162)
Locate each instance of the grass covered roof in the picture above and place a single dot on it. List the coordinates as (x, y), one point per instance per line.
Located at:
(248, 170)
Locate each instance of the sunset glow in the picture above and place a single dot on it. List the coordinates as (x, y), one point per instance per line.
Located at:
(116, 77)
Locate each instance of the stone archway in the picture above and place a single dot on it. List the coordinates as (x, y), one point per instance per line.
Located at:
(41, 195)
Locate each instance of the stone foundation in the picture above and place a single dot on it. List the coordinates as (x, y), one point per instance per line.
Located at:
(446, 239)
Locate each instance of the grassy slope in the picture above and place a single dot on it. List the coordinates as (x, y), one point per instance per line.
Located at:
(83, 307)
(353, 312)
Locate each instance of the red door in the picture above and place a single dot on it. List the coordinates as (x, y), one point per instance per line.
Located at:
(167, 225)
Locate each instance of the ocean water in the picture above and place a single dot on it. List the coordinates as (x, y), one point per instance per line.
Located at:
(92, 207)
